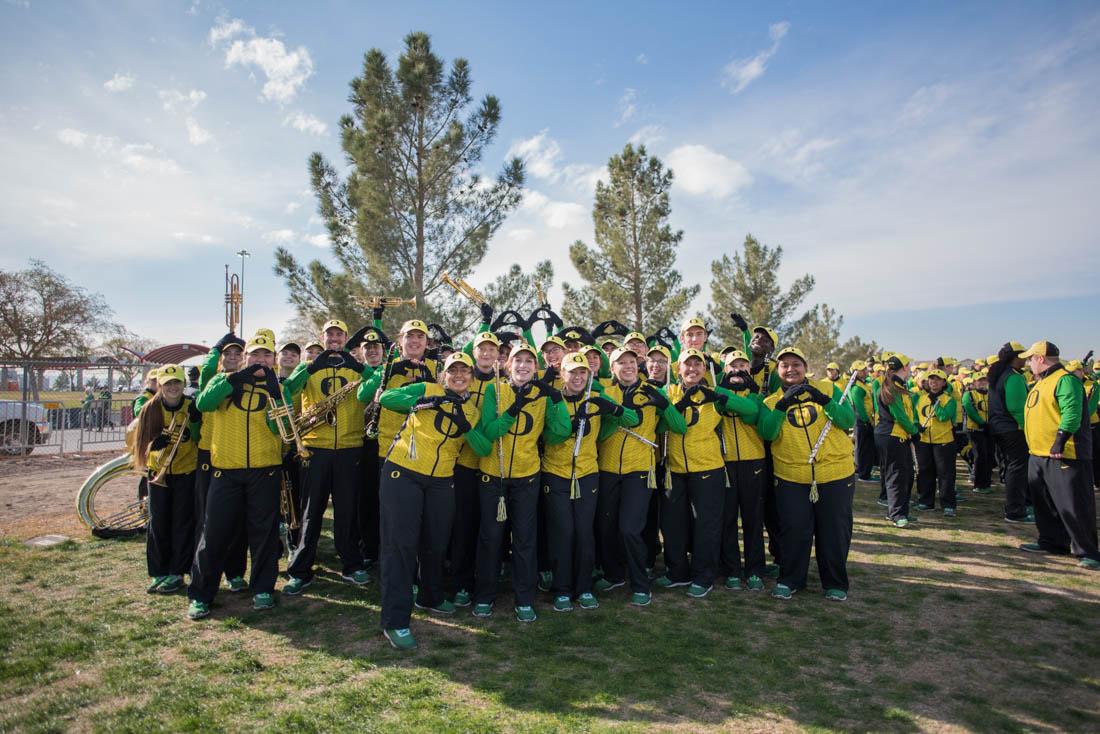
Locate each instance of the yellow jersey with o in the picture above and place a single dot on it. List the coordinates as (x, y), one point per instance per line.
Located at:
(388, 420)
(800, 426)
(743, 442)
(519, 445)
(1043, 414)
(478, 383)
(557, 459)
(621, 453)
(344, 427)
(242, 437)
(438, 440)
(698, 449)
(938, 417)
(186, 459)
(980, 401)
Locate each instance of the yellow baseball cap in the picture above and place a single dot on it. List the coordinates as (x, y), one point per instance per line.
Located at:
(660, 349)
(486, 336)
(858, 364)
(458, 358)
(1040, 349)
(898, 360)
(689, 353)
(937, 373)
(155, 373)
(833, 366)
(770, 332)
(332, 324)
(170, 372)
(523, 347)
(1073, 365)
(735, 354)
(790, 350)
(266, 332)
(574, 361)
(314, 344)
(608, 340)
(622, 352)
(555, 340)
(634, 335)
(415, 325)
(259, 342)
(694, 322)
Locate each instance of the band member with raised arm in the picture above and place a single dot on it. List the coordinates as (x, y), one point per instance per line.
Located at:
(335, 444)
(935, 445)
(897, 425)
(247, 454)
(861, 400)
(657, 363)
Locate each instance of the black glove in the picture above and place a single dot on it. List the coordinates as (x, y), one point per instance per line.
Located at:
(225, 341)
(357, 338)
(739, 321)
(160, 442)
(817, 396)
(603, 407)
(458, 417)
(320, 362)
(523, 397)
(709, 396)
(1060, 439)
(686, 400)
(577, 424)
(272, 381)
(351, 362)
(401, 366)
(653, 396)
(436, 401)
(377, 311)
(486, 313)
(240, 377)
(790, 396)
(547, 390)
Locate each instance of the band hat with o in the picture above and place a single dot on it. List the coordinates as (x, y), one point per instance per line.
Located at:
(1073, 365)
(414, 325)
(608, 340)
(660, 349)
(314, 345)
(897, 360)
(155, 374)
(922, 365)
(259, 342)
(858, 365)
(552, 340)
(733, 355)
(878, 367)
(1040, 349)
(634, 336)
(335, 324)
(790, 350)
(622, 352)
(292, 346)
(170, 372)
(235, 343)
(833, 366)
(458, 358)
(695, 321)
(266, 332)
(523, 347)
(374, 335)
(937, 373)
(572, 335)
(586, 348)
(964, 371)
(770, 332)
(574, 361)
(487, 336)
(946, 361)
(1015, 346)
(689, 353)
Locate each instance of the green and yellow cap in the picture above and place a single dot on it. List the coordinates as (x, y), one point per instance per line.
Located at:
(334, 324)
(486, 336)
(790, 350)
(458, 358)
(689, 353)
(1040, 349)
(259, 342)
(414, 325)
(170, 372)
(574, 361)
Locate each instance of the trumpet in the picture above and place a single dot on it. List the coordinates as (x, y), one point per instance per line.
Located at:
(387, 301)
(465, 289)
(175, 435)
(286, 503)
(233, 300)
(541, 295)
(282, 413)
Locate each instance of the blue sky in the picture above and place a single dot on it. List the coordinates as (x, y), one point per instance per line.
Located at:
(932, 164)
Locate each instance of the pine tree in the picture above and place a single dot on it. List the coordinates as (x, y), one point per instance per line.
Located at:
(818, 336)
(630, 275)
(413, 205)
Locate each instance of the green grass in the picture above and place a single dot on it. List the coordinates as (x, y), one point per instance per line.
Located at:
(944, 628)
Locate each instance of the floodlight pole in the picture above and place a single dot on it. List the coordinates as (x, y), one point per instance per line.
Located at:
(242, 254)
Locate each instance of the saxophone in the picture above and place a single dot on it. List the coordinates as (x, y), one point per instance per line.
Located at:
(324, 411)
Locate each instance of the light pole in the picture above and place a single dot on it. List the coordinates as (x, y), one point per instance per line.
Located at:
(242, 254)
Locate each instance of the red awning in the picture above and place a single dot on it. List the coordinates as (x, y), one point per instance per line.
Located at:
(175, 353)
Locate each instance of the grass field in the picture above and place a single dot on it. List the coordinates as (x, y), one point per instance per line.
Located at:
(948, 628)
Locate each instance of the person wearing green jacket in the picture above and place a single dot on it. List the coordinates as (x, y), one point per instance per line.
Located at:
(1007, 393)
(976, 409)
(1059, 444)
(896, 427)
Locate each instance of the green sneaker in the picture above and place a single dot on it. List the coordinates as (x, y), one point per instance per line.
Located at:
(665, 582)
(1090, 563)
(198, 609)
(237, 583)
(563, 604)
(772, 570)
(983, 490)
(733, 583)
(462, 598)
(696, 591)
(295, 586)
(755, 583)
(526, 614)
(923, 508)
(949, 512)
(263, 601)
(587, 601)
(1032, 548)
(836, 594)
(782, 591)
(157, 581)
(170, 585)
(546, 580)
(402, 639)
(605, 585)
(641, 598)
(483, 610)
(444, 607)
(902, 522)
(359, 578)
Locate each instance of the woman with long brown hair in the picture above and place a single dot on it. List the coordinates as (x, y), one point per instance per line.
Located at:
(169, 421)
(896, 426)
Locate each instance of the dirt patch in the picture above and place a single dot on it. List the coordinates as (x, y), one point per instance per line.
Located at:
(38, 493)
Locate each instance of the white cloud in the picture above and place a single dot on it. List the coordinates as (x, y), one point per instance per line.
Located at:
(642, 59)
(792, 151)
(196, 238)
(197, 135)
(739, 73)
(648, 135)
(553, 214)
(279, 236)
(924, 101)
(305, 122)
(286, 71)
(317, 240)
(119, 83)
(72, 138)
(700, 171)
(177, 102)
(520, 234)
(628, 106)
(291, 207)
(540, 153)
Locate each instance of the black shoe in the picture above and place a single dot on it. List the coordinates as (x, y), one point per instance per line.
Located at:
(1022, 520)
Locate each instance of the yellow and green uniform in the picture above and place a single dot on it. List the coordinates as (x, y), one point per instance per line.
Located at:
(1092, 400)
(438, 442)
(699, 449)
(938, 417)
(186, 456)
(621, 453)
(901, 416)
(1054, 405)
(862, 401)
(518, 437)
(557, 456)
(479, 383)
(241, 436)
(344, 427)
(794, 432)
(743, 442)
(976, 405)
(388, 420)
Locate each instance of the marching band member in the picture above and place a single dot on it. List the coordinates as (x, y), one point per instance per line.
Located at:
(417, 491)
(861, 401)
(170, 538)
(628, 477)
(372, 349)
(570, 480)
(514, 415)
(1007, 394)
(832, 374)
(290, 355)
(976, 405)
(935, 445)
(657, 361)
(897, 423)
(335, 445)
(247, 454)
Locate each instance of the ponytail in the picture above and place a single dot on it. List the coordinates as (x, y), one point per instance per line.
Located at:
(150, 425)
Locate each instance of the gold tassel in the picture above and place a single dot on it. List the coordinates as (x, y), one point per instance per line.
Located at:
(412, 445)
(668, 480)
(726, 475)
(651, 479)
(813, 491)
(574, 488)
(502, 510)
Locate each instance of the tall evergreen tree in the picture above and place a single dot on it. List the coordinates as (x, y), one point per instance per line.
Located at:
(630, 274)
(818, 336)
(413, 204)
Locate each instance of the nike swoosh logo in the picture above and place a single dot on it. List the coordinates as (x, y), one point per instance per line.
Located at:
(757, 471)
(705, 476)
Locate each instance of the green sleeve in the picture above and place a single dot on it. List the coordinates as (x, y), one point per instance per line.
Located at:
(368, 387)
(605, 365)
(141, 400)
(294, 384)
(528, 336)
(971, 411)
(672, 419)
(1093, 401)
(745, 406)
(947, 411)
(897, 411)
(402, 399)
(557, 426)
(773, 381)
(1016, 396)
(746, 337)
(840, 413)
(377, 323)
(217, 390)
(209, 367)
(468, 347)
(194, 422)
(675, 351)
(856, 398)
(769, 422)
(493, 427)
(1070, 394)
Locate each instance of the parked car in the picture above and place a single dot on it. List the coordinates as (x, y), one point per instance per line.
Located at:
(13, 440)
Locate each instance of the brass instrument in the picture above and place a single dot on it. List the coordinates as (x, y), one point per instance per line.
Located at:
(286, 503)
(541, 295)
(233, 300)
(175, 436)
(106, 503)
(387, 301)
(324, 411)
(282, 413)
(465, 289)
(373, 411)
